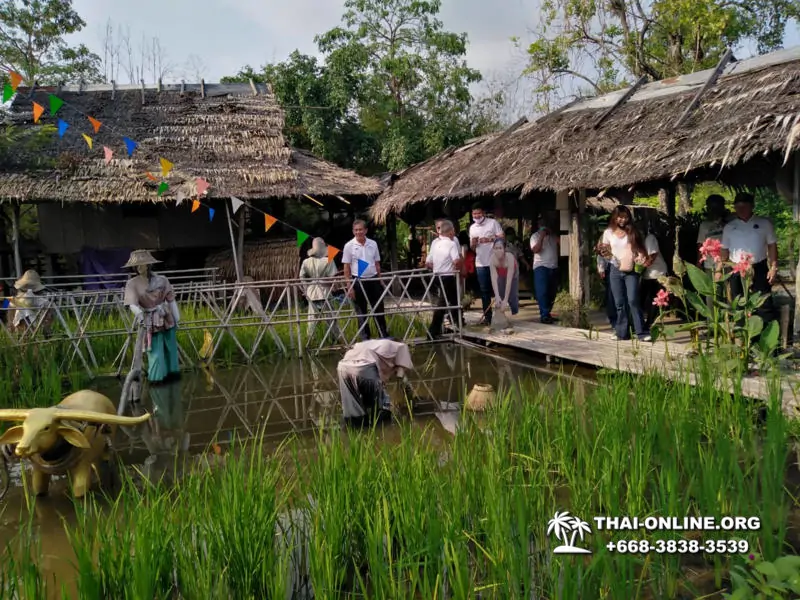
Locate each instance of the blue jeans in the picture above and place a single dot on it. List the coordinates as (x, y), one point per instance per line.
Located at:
(625, 288)
(544, 286)
(611, 309)
(485, 283)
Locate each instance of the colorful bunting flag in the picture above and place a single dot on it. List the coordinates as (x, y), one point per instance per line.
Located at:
(130, 145)
(362, 266)
(38, 110)
(8, 91)
(162, 187)
(195, 205)
(6, 303)
(55, 104)
(210, 214)
(109, 153)
(332, 252)
(181, 197)
(16, 79)
(62, 127)
(236, 204)
(150, 176)
(269, 221)
(166, 167)
(302, 236)
(89, 140)
(95, 123)
(202, 186)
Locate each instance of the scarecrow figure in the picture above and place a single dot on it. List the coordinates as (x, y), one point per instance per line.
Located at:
(151, 298)
(28, 302)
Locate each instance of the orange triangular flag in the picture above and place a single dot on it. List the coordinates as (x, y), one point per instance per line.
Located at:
(151, 177)
(195, 205)
(88, 140)
(332, 252)
(95, 123)
(269, 222)
(38, 109)
(16, 79)
(166, 167)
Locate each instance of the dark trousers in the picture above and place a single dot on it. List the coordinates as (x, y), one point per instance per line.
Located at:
(650, 289)
(611, 308)
(485, 283)
(759, 283)
(544, 285)
(446, 296)
(625, 287)
(368, 292)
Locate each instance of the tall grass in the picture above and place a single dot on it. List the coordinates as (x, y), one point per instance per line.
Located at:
(464, 519)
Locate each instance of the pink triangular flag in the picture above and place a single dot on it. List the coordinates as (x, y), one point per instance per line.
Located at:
(202, 186)
(109, 153)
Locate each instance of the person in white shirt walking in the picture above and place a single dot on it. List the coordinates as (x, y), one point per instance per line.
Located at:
(544, 245)
(482, 235)
(711, 229)
(445, 261)
(317, 267)
(752, 239)
(655, 267)
(363, 287)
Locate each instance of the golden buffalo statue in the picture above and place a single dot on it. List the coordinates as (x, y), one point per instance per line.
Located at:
(71, 437)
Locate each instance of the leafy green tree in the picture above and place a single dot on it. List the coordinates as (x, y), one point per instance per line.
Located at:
(599, 46)
(32, 42)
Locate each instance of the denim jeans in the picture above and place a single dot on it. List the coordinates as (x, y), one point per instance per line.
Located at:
(625, 288)
(611, 308)
(485, 283)
(544, 286)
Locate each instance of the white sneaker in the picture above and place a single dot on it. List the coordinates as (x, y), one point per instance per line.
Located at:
(647, 338)
(614, 336)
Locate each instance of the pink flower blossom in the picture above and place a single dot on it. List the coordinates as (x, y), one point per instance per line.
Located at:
(712, 248)
(743, 266)
(661, 299)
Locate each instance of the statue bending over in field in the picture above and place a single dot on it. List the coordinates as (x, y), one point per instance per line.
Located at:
(28, 302)
(151, 298)
(364, 372)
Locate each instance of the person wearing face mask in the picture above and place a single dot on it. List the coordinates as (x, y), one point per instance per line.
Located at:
(504, 272)
(151, 299)
(482, 234)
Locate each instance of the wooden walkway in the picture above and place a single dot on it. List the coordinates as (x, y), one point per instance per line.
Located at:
(601, 351)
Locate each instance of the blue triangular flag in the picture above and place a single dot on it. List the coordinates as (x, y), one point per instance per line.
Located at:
(130, 144)
(362, 266)
(5, 303)
(62, 127)
(210, 214)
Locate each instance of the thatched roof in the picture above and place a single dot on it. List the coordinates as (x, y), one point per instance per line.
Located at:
(751, 113)
(230, 135)
(264, 260)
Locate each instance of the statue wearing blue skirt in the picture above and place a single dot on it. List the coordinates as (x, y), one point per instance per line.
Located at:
(151, 298)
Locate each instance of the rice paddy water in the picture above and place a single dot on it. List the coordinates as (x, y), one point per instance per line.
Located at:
(279, 502)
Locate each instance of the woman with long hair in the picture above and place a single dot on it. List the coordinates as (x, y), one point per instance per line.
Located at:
(623, 247)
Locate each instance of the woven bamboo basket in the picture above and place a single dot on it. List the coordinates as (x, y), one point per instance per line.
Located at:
(264, 260)
(481, 396)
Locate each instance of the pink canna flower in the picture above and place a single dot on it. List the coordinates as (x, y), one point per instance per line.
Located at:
(661, 299)
(743, 266)
(712, 248)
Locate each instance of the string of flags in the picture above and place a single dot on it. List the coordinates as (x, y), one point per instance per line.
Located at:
(202, 186)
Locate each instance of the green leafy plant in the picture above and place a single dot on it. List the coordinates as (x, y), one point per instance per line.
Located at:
(761, 579)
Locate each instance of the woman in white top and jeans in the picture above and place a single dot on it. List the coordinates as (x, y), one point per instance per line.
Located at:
(622, 246)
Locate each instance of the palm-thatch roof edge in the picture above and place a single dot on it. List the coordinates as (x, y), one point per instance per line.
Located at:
(752, 113)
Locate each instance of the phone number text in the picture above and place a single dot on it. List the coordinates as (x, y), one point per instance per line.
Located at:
(679, 546)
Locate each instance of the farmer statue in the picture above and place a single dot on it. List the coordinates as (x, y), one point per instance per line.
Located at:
(364, 372)
(28, 302)
(152, 300)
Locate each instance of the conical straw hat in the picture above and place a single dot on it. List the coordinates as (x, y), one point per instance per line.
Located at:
(29, 281)
(139, 258)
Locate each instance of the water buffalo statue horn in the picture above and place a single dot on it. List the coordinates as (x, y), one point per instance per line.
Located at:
(14, 414)
(98, 417)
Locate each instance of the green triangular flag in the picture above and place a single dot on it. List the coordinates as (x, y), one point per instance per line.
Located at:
(55, 104)
(301, 237)
(162, 187)
(8, 91)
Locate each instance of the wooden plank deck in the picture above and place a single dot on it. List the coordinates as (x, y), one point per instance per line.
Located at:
(632, 356)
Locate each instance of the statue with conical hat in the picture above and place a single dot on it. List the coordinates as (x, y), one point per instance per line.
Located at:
(28, 301)
(151, 298)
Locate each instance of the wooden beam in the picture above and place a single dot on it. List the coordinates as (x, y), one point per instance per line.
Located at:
(233, 242)
(625, 97)
(240, 241)
(15, 235)
(712, 79)
(391, 236)
(796, 213)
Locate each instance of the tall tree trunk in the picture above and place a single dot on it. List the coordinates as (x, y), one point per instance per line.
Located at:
(684, 199)
(663, 200)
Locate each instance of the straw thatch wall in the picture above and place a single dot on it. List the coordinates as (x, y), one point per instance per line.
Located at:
(265, 260)
(752, 114)
(224, 133)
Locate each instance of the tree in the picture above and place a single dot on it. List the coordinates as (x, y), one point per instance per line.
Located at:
(32, 42)
(599, 46)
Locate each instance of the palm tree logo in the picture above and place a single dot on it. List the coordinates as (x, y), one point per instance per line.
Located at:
(562, 525)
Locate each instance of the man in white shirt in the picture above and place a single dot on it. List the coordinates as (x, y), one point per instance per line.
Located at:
(711, 229)
(544, 245)
(655, 267)
(445, 261)
(748, 234)
(482, 234)
(363, 286)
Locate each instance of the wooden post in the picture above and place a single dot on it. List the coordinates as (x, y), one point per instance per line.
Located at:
(15, 235)
(233, 243)
(240, 242)
(584, 244)
(575, 279)
(391, 235)
(796, 213)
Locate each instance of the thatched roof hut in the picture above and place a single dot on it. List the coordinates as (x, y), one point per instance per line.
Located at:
(264, 260)
(750, 116)
(230, 135)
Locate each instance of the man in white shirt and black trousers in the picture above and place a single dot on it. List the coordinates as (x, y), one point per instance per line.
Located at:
(749, 234)
(445, 261)
(363, 287)
(482, 235)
